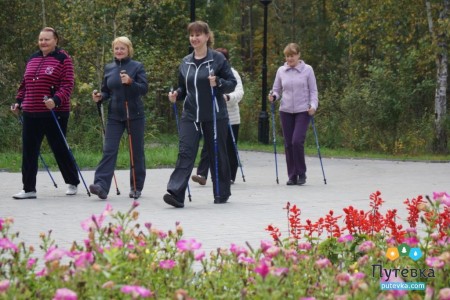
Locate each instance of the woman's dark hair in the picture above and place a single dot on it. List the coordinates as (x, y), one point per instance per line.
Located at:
(224, 51)
(201, 27)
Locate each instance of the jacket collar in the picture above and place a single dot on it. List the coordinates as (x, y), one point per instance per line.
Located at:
(51, 53)
(122, 61)
(209, 56)
(299, 68)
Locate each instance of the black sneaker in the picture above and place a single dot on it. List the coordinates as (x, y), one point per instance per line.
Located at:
(133, 195)
(171, 200)
(292, 182)
(97, 190)
(301, 179)
(221, 200)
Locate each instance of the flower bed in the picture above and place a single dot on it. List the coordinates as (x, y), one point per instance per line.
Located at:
(327, 259)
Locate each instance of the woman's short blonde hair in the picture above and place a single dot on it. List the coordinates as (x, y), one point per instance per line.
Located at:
(291, 49)
(201, 27)
(126, 41)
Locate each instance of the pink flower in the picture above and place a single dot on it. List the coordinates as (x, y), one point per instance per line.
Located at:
(31, 262)
(366, 246)
(304, 246)
(429, 291)
(136, 291)
(323, 263)
(118, 243)
(346, 238)
(199, 255)
(444, 294)
(7, 244)
(434, 262)
(188, 245)
(65, 294)
(280, 271)
(265, 245)
(83, 259)
(363, 260)
(262, 269)
(246, 260)
(411, 241)
(272, 251)
(54, 253)
(238, 250)
(167, 264)
(343, 278)
(4, 285)
(96, 221)
(1, 224)
(442, 197)
(358, 275)
(291, 254)
(42, 272)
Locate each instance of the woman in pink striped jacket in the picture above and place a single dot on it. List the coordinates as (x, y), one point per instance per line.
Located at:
(48, 74)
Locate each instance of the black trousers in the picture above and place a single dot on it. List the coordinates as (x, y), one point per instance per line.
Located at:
(34, 130)
(190, 134)
(203, 165)
(105, 169)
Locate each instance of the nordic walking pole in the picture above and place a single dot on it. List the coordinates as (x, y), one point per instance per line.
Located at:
(130, 143)
(272, 108)
(318, 148)
(42, 160)
(216, 151)
(236, 149)
(175, 111)
(100, 113)
(68, 148)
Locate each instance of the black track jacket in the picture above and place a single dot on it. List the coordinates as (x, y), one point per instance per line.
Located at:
(195, 90)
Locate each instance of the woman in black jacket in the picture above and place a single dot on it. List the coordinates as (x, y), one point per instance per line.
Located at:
(202, 74)
(124, 83)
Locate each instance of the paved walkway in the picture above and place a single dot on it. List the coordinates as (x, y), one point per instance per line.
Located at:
(254, 204)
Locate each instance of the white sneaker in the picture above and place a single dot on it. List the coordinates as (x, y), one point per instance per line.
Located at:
(23, 195)
(72, 189)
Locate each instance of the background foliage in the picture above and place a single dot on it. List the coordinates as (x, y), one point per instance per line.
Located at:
(374, 61)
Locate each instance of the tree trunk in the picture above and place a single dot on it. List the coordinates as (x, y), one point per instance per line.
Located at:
(440, 99)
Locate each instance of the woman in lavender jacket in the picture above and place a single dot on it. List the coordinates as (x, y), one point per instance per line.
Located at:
(295, 84)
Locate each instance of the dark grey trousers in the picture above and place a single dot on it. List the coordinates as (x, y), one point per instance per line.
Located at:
(190, 134)
(114, 132)
(203, 165)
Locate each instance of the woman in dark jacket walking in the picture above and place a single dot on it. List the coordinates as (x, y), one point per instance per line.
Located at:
(49, 73)
(124, 83)
(201, 72)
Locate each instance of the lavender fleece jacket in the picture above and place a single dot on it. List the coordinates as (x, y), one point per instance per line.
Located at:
(296, 87)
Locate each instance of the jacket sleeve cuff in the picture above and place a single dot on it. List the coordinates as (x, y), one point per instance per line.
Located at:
(57, 101)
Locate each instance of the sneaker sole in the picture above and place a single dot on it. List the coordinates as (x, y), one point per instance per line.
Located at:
(171, 201)
(97, 191)
(22, 198)
(199, 181)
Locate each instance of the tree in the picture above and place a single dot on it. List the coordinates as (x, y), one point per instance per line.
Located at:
(440, 42)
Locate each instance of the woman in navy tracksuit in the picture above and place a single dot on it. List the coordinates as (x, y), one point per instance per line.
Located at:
(49, 73)
(200, 72)
(124, 80)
